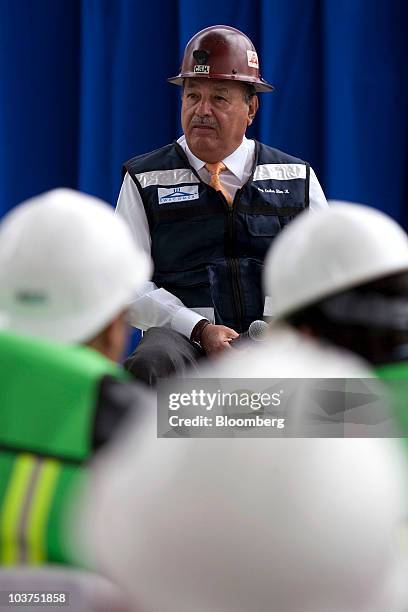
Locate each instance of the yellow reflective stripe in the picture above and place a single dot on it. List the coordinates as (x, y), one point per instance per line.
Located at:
(13, 506)
(40, 509)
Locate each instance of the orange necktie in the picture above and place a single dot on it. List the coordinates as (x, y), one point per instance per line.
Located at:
(215, 171)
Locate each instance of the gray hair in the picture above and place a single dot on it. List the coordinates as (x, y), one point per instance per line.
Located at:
(249, 92)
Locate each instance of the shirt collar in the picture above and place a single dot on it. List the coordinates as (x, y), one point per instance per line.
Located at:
(235, 162)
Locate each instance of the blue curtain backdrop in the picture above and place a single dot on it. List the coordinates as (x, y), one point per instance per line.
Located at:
(83, 87)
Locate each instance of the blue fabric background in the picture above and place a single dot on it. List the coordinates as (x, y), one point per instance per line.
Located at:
(83, 87)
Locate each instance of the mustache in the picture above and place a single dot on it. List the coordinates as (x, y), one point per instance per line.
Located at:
(203, 122)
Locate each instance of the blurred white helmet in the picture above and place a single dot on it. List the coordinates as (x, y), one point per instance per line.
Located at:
(68, 266)
(253, 525)
(320, 254)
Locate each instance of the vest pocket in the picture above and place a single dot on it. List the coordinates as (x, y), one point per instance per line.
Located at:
(191, 287)
(263, 225)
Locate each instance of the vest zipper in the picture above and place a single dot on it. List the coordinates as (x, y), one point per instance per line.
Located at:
(233, 264)
(232, 261)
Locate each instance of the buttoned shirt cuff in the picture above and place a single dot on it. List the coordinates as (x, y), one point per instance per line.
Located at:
(185, 320)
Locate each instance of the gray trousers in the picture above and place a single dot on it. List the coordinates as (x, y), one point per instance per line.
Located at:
(162, 353)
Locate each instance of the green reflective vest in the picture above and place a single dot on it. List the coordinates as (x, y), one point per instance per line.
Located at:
(48, 398)
(395, 376)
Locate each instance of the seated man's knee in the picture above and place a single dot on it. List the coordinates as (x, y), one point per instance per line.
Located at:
(160, 354)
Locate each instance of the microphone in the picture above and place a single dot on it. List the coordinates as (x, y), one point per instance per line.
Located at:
(256, 333)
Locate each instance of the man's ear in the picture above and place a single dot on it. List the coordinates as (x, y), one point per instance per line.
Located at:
(252, 109)
(110, 341)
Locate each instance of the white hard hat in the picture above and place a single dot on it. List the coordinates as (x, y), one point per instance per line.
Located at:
(322, 253)
(306, 525)
(68, 266)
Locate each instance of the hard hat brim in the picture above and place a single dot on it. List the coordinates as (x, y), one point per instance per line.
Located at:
(260, 85)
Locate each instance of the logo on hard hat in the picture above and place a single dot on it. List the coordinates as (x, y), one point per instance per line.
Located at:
(31, 297)
(202, 69)
(252, 59)
(201, 56)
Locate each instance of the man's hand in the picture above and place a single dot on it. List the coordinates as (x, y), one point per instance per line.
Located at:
(216, 338)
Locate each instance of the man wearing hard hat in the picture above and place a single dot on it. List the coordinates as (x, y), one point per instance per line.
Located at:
(208, 206)
(346, 285)
(344, 288)
(68, 268)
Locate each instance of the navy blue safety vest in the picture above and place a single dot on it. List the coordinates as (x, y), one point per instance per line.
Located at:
(205, 252)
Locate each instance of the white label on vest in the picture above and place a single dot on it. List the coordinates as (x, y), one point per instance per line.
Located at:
(280, 172)
(178, 194)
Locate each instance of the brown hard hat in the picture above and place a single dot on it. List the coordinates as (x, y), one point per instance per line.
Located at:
(221, 52)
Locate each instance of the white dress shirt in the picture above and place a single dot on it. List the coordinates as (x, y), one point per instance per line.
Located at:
(154, 307)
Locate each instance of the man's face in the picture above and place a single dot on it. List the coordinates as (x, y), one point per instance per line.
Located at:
(215, 116)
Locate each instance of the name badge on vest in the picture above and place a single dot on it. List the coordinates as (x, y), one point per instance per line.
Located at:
(177, 194)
